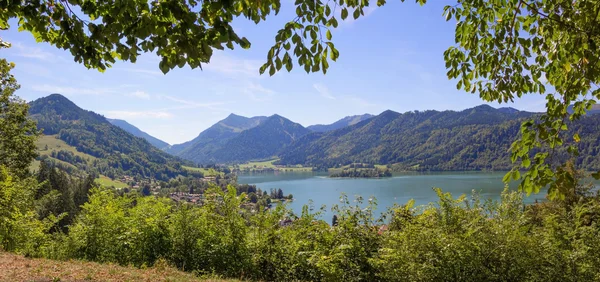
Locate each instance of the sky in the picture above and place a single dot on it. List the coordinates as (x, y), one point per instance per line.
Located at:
(392, 58)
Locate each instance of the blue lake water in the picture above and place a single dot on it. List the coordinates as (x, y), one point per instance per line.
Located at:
(322, 190)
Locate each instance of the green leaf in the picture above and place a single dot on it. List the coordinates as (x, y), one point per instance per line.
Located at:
(344, 13)
(516, 175)
(164, 65)
(328, 35)
(506, 177)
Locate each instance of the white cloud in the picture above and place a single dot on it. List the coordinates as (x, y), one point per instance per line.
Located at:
(34, 53)
(323, 90)
(46, 88)
(361, 102)
(137, 114)
(257, 92)
(187, 104)
(233, 66)
(139, 94)
(34, 69)
(142, 71)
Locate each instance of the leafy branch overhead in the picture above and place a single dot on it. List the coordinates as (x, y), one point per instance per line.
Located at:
(308, 37)
(98, 33)
(506, 49)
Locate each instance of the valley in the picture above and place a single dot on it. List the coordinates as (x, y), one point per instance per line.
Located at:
(475, 139)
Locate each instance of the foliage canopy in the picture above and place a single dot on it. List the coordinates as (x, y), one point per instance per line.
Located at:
(17, 132)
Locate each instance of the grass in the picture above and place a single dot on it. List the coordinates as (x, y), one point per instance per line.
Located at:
(105, 181)
(205, 171)
(381, 167)
(48, 143)
(333, 169)
(18, 268)
(263, 164)
(35, 164)
(269, 164)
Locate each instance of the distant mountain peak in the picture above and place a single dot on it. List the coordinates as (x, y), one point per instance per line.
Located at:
(232, 115)
(56, 97)
(483, 107)
(139, 133)
(260, 142)
(201, 148)
(346, 121)
(508, 110)
(388, 113)
(117, 151)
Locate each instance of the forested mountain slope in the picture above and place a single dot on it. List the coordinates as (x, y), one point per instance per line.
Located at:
(117, 152)
(260, 142)
(202, 148)
(474, 139)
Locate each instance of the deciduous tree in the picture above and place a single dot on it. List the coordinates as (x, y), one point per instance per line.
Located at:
(17, 132)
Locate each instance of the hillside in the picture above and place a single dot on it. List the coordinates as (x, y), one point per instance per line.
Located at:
(261, 142)
(594, 110)
(201, 148)
(117, 152)
(473, 139)
(139, 133)
(347, 121)
(18, 268)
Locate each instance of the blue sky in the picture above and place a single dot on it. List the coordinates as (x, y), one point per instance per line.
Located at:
(390, 59)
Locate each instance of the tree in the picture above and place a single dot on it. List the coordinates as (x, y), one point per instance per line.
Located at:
(17, 132)
(504, 50)
(146, 190)
(253, 198)
(20, 229)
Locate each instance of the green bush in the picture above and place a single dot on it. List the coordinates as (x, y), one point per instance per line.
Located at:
(454, 239)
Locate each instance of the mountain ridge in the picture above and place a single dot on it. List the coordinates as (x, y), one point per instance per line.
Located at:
(138, 133)
(261, 142)
(346, 121)
(426, 139)
(201, 148)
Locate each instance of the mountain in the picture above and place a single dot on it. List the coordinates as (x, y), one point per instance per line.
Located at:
(594, 110)
(260, 142)
(114, 151)
(349, 120)
(138, 133)
(473, 139)
(508, 110)
(202, 148)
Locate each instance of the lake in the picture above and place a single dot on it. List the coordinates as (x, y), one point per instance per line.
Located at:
(398, 189)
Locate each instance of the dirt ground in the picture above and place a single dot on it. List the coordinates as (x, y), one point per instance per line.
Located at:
(18, 268)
